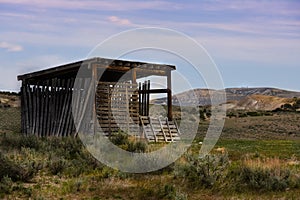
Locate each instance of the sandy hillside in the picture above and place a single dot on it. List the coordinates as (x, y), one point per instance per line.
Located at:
(9, 100)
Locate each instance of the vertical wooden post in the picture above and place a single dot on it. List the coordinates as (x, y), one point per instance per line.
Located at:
(42, 114)
(133, 71)
(52, 106)
(109, 111)
(127, 108)
(29, 97)
(63, 115)
(140, 98)
(61, 83)
(38, 109)
(69, 126)
(26, 121)
(144, 98)
(34, 100)
(26, 107)
(169, 87)
(46, 115)
(23, 107)
(148, 97)
(95, 81)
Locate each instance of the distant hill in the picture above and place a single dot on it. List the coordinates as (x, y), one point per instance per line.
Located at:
(240, 93)
(237, 98)
(9, 99)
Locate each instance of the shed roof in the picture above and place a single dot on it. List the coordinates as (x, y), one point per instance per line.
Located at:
(113, 67)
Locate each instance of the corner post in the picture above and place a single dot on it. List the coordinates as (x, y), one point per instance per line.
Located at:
(133, 72)
(23, 113)
(169, 94)
(95, 85)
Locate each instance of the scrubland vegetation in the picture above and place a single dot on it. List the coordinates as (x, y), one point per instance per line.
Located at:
(239, 167)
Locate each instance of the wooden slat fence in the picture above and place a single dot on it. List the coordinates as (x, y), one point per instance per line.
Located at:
(46, 108)
(117, 107)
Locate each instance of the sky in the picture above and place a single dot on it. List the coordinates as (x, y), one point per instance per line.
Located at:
(253, 43)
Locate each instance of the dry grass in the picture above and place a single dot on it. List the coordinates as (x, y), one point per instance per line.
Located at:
(279, 126)
(274, 164)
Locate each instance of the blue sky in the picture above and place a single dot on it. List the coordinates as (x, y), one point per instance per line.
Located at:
(253, 43)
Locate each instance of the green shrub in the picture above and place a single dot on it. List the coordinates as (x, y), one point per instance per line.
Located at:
(56, 166)
(8, 168)
(268, 113)
(67, 147)
(72, 186)
(69, 157)
(242, 114)
(287, 107)
(6, 185)
(122, 140)
(262, 179)
(253, 113)
(22, 171)
(202, 115)
(231, 114)
(296, 105)
(138, 146)
(18, 141)
(119, 138)
(203, 172)
(170, 192)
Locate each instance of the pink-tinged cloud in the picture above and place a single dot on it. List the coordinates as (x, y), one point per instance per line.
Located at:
(119, 21)
(99, 4)
(10, 47)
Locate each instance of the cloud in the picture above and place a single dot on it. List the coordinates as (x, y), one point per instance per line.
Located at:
(118, 5)
(255, 28)
(276, 7)
(119, 21)
(271, 52)
(10, 47)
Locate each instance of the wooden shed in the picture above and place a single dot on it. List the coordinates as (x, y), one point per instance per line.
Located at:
(120, 102)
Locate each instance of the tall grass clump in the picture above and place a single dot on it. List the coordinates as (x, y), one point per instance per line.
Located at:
(264, 174)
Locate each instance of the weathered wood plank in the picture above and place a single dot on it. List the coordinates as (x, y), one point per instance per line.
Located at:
(86, 98)
(42, 113)
(46, 115)
(69, 125)
(38, 110)
(62, 118)
(54, 106)
(23, 113)
(34, 117)
(169, 95)
(58, 106)
(147, 97)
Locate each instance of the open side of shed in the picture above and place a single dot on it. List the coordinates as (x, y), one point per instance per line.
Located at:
(120, 102)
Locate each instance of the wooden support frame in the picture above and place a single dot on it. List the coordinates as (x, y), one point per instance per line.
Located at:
(169, 95)
(144, 96)
(46, 96)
